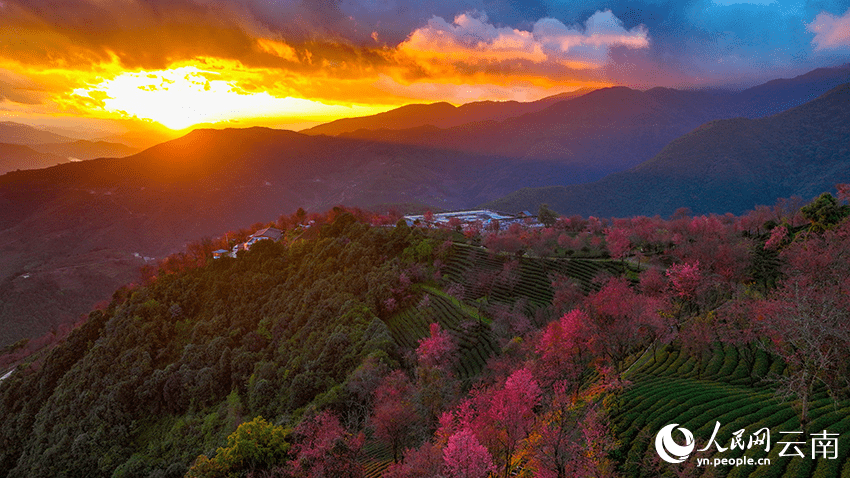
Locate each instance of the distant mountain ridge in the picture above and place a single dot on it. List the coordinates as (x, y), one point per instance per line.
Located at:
(723, 166)
(82, 149)
(605, 130)
(440, 115)
(26, 147)
(16, 133)
(18, 156)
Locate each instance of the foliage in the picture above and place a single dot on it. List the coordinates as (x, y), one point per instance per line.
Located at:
(465, 457)
(255, 445)
(278, 327)
(825, 212)
(478, 362)
(546, 216)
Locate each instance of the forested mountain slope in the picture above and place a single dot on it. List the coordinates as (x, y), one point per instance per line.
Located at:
(723, 166)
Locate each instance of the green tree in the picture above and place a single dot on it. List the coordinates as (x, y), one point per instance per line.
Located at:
(825, 212)
(546, 215)
(255, 445)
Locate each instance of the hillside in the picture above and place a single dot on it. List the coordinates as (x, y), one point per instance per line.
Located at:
(210, 181)
(723, 166)
(344, 347)
(17, 156)
(95, 220)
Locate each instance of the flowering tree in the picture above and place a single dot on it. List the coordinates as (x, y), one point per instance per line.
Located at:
(436, 350)
(506, 414)
(326, 449)
(618, 243)
(556, 449)
(465, 457)
(620, 320)
(777, 237)
(423, 462)
(436, 384)
(685, 278)
(563, 350)
(395, 413)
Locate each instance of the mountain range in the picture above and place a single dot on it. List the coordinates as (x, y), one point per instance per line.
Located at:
(26, 147)
(723, 166)
(593, 134)
(72, 233)
(440, 115)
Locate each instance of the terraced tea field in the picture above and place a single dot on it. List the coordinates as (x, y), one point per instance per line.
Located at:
(464, 316)
(667, 391)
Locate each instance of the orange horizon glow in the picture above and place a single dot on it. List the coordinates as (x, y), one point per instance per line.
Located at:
(216, 92)
(186, 96)
(276, 82)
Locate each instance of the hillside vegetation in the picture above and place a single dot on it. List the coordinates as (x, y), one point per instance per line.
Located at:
(353, 350)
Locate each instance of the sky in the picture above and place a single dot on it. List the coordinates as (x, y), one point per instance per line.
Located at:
(120, 64)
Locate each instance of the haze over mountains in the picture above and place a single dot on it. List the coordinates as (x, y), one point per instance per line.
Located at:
(595, 134)
(73, 233)
(26, 147)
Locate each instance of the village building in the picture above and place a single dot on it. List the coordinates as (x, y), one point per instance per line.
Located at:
(485, 218)
(269, 233)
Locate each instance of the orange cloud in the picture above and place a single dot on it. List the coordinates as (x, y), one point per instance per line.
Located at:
(183, 62)
(278, 48)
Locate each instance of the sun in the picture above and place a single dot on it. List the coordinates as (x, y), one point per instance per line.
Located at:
(185, 96)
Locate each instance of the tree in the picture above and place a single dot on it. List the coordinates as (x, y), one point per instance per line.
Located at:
(507, 414)
(556, 450)
(361, 385)
(255, 445)
(395, 414)
(562, 347)
(598, 445)
(825, 212)
(685, 278)
(546, 216)
(326, 449)
(465, 457)
(809, 331)
(620, 320)
(618, 243)
(436, 385)
(423, 462)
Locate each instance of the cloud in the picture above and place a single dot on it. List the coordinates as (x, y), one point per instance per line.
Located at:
(19, 89)
(392, 52)
(471, 40)
(831, 32)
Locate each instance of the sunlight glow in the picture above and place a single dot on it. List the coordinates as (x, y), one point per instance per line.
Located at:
(185, 96)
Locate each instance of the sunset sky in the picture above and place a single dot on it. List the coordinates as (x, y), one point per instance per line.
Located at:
(108, 63)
